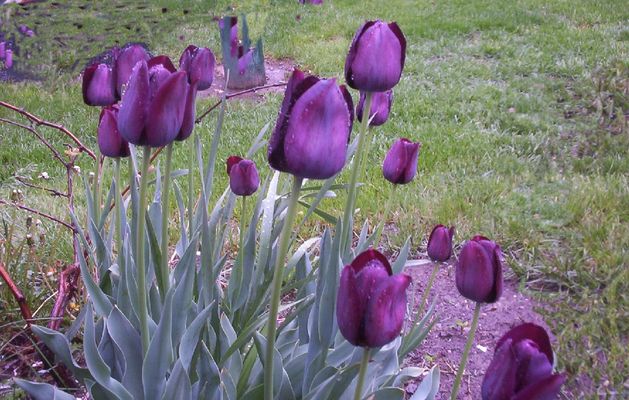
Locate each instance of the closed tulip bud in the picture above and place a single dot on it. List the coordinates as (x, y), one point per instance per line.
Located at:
(125, 61)
(400, 163)
(371, 302)
(157, 106)
(440, 243)
(243, 176)
(522, 367)
(380, 106)
(198, 62)
(98, 85)
(479, 270)
(313, 127)
(376, 57)
(110, 143)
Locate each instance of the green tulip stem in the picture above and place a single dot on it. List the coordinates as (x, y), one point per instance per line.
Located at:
(141, 264)
(243, 228)
(97, 186)
(356, 172)
(163, 264)
(191, 196)
(278, 277)
(358, 394)
(119, 208)
(422, 302)
(387, 211)
(466, 352)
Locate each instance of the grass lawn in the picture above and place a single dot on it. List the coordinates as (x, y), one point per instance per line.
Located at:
(521, 108)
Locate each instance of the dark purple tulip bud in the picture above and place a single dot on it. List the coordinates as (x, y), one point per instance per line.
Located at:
(98, 85)
(522, 367)
(153, 107)
(371, 301)
(376, 57)
(380, 106)
(440, 243)
(479, 270)
(110, 143)
(244, 61)
(198, 62)
(8, 58)
(400, 163)
(312, 130)
(243, 176)
(125, 61)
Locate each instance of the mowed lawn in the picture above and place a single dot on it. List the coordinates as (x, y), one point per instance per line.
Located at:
(521, 108)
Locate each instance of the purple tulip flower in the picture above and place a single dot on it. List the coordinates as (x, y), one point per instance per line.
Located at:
(158, 105)
(380, 106)
(440, 243)
(400, 164)
(99, 87)
(125, 61)
(8, 58)
(198, 62)
(243, 176)
(522, 367)
(371, 302)
(311, 1)
(110, 143)
(479, 270)
(376, 57)
(3, 49)
(313, 127)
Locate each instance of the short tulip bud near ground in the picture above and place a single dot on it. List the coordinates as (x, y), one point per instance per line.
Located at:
(313, 127)
(199, 63)
(522, 367)
(479, 270)
(400, 163)
(380, 107)
(99, 86)
(440, 243)
(243, 176)
(376, 57)
(110, 143)
(158, 105)
(371, 302)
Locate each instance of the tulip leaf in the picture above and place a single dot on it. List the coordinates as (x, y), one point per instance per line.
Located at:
(59, 345)
(313, 207)
(398, 265)
(281, 383)
(182, 299)
(329, 218)
(429, 387)
(128, 341)
(159, 353)
(178, 385)
(183, 240)
(42, 391)
(387, 393)
(208, 373)
(417, 333)
(190, 338)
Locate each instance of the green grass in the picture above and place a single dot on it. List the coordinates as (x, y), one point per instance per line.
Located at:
(511, 101)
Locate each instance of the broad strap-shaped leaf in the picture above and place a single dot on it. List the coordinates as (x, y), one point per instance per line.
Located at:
(178, 385)
(42, 391)
(60, 345)
(429, 387)
(127, 338)
(160, 353)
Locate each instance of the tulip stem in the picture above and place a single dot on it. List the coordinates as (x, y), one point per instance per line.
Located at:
(241, 245)
(141, 265)
(278, 277)
(96, 192)
(466, 352)
(119, 208)
(422, 302)
(387, 210)
(163, 264)
(356, 172)
(358, 394)
(191, 197)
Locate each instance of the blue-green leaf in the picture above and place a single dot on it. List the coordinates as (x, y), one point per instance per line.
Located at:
(429, 387)
(42, 391)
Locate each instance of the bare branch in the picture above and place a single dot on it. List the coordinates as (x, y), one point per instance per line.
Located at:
(40, 213)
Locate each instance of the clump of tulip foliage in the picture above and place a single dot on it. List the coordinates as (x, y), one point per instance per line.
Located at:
(192, 321)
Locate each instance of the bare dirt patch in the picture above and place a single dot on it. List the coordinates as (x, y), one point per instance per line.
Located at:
(444, 345)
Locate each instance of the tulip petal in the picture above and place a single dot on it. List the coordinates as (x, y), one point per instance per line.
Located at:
(243, 178)
(547, 389)
(367, 257)
(380, 107)
(385, 312)
(532, 332)
(350, 308)
(134, 105)
(533, 365)
(350, 107)
(125, 61)
(400, 164)
(315, 143)
(166, 112)
(98, 85)
(474, 274)
(231, 161)
(351, 55)
(440, 243)
(187, 126)
(110, 143)
(500, 378)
